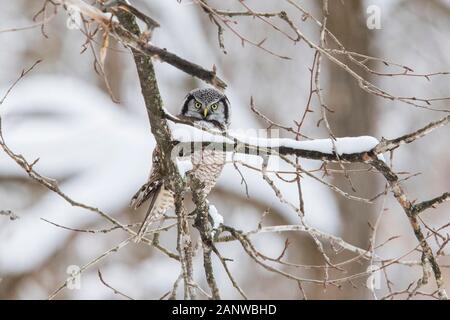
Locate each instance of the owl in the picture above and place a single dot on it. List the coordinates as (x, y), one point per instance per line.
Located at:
(207, 108)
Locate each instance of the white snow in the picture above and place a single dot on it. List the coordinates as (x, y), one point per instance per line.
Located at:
(217, 218)
(184, 165)
(186, 133)
(345, 145)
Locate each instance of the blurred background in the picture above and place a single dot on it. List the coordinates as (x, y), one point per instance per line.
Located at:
(100, 151)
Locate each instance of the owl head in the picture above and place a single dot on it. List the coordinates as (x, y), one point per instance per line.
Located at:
(208, 105)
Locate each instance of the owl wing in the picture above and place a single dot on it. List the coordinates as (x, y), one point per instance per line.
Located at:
(151, 190)
(155, 196)
(151, 186)
(147, 191)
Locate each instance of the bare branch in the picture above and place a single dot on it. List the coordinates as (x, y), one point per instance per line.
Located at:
(110, 287)
(418, 208)
(387, 145)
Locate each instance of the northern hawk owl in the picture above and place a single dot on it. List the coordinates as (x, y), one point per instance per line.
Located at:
(206, 108)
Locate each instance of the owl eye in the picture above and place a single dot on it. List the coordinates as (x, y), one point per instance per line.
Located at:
(214, 106)
(197, 105)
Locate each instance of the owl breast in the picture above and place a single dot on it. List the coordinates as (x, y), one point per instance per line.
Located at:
(207, 166)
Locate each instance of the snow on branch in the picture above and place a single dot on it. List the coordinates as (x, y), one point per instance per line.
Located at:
(349, 149)
(215, 216)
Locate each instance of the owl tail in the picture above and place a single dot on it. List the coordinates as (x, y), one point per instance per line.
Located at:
(144, 193)
(152, 213)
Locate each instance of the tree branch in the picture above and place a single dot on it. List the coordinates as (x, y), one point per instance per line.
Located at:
(388, 145)
(410, 212)
(132, 37)
(418, 208)
(163, 137)
(203, 226)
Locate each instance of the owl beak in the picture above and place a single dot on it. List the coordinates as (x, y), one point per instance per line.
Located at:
(205, 112)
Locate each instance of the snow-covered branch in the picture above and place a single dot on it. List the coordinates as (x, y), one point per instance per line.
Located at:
(187, 137)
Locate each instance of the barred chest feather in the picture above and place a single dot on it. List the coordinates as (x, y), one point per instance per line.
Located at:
(206, 167)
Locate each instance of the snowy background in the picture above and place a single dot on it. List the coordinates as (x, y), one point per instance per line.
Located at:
(100, 151)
